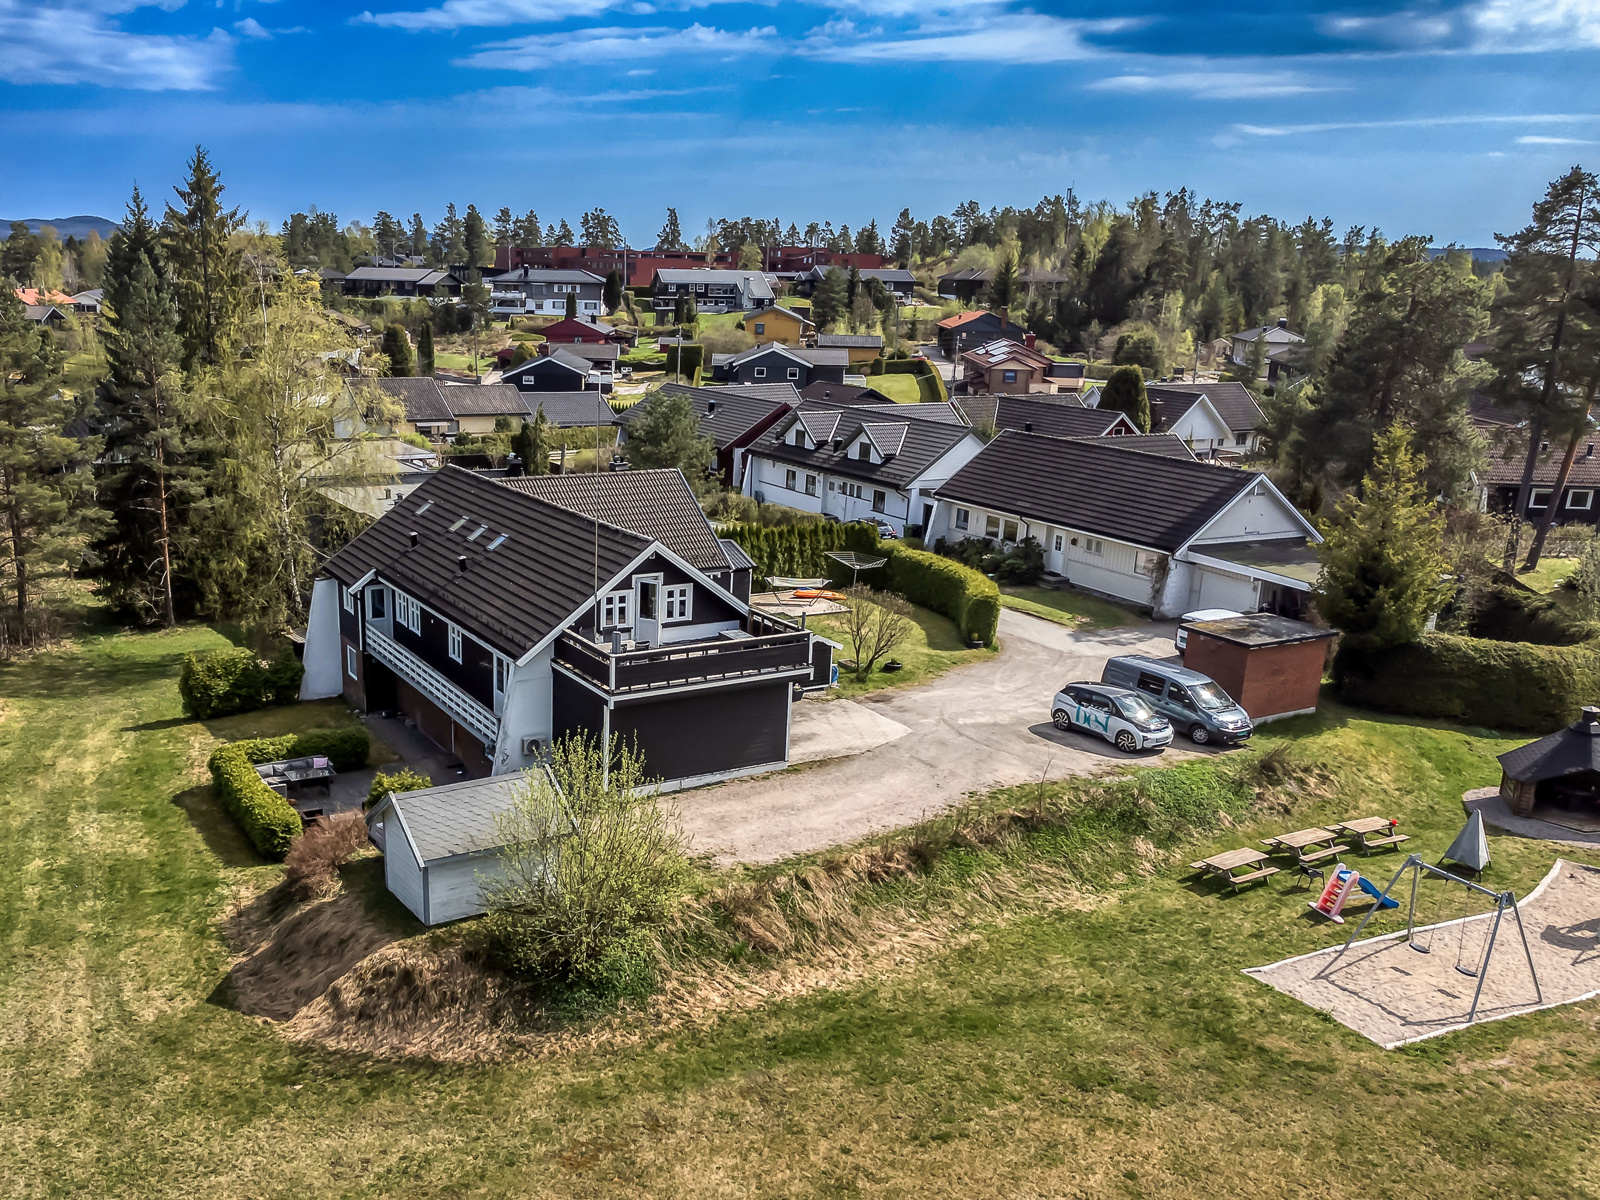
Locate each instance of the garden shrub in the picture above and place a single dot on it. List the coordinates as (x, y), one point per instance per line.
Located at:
(1510, 613)
(691, 356)
(967, 597)
(315, 856)
(1476, 681)
(404, 780)
(236, 680)
(798, 551)
(268, 820)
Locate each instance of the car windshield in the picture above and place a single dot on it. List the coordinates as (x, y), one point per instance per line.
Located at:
(1135, 708)
(1209, 695)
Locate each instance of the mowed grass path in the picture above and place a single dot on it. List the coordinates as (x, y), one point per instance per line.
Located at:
(1115, 1051)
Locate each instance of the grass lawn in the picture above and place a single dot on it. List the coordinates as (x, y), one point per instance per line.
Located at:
(1074, 609)
(932, 648)
(459, 362)
(1095, 1050)
(1550, 574)
(902, 389)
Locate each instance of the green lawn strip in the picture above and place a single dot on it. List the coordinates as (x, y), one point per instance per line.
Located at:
(1549, 575)
(1109, 1048)
(932, 647)
(902, 389)
(1066, 607)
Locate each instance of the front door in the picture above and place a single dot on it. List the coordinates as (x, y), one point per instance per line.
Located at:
(1055, 553)
(647, 612)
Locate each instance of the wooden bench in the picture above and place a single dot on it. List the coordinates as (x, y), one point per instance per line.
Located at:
(1374, 843)
(1252, 877)
(1307, 857)
(1365, 827)
(1225, 864)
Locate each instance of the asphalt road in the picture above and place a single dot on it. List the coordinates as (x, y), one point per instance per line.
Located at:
(977, 728)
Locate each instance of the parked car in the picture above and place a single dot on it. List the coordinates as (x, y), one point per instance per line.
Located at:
(1181, 638)
(1193, 702)
(885, 530)
(1124, 718)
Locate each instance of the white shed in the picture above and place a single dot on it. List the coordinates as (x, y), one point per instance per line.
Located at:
(439, 843)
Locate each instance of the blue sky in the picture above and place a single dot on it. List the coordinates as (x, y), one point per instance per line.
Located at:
(1437, 118)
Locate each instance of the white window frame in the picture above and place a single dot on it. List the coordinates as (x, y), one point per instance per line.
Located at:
(794, 372)
(1588, 499)
(1060, 539)
(991, 527)
(677, 602)
(791, 478)
(1095, 546)
(453, 643)
(377, 603)
(880, 501)
(811, 484)
(350, 662)
(502, 675)
(616, 610)
(349, 599)
(963, 518)
(1539, 498)
(758, 373)
(1144, 562)
(407, 612)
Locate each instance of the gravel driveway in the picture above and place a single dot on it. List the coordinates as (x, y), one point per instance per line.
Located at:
(977, 728)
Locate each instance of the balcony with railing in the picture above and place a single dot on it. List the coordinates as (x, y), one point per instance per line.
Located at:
(467, 712)
(766, 648)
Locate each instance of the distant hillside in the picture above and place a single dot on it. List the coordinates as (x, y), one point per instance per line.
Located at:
(1479, 253)
(65, 227)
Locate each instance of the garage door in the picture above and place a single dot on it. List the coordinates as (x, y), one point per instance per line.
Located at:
(1223, 589)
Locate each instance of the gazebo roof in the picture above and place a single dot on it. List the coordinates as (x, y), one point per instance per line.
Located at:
(1568, 751)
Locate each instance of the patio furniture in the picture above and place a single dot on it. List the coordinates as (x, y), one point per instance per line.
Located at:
(1306, 873)
(1307, 845)
(1223, 866)
(297, 773)
(1366, 828)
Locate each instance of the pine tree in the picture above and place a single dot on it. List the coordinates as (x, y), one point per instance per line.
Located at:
(612, 297)
(503, 225)
(46, 511)
(20, 253)
(1124, 392)
(206, 272)
(419, 237)
(563, 236)
(1382, 562)
(398, 348)
(1005, 289)
(425, 349)
(904, 245)
(476, 248)
(832, 299)
(671, 235)
(572, 306)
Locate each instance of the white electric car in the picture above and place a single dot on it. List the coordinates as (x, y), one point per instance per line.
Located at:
(1123, 717)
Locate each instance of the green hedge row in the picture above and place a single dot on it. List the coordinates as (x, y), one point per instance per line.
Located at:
(798, 551)
(929, 382)
(236, 680)
(268, 820)
(1511, 613)
(967, 597)
(693, 356)
(1475, 681)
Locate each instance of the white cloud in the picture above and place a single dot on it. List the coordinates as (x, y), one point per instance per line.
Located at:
(1212, 85)
(1534, 139)
(1021, 38)
(67, 43)
(251, 28)
(609, 44)
(1418, 123)
(464, 14)
(1532, 25)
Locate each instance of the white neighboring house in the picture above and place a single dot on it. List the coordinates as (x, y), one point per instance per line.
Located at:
(1175, 405)
(1160, 532)
(858, 465)
(1281, 347)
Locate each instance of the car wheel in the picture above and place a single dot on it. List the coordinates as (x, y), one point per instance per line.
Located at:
(1199, 735)
(1062, 720)
(1125, 742)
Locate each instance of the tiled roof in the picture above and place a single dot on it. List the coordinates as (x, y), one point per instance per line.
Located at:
(420, 397)
(842, 393)
(485, 400)
(458, 818)
(606, 352)
(737, 409)
(943, 411)
(513, 596)
(1504, 467)
(924, 443)
(1233, 401)
(850, 341)
(1044, 416)
(655, 503)
(1095, 485)
(1168, 445)
(570, 410)
(816, 357)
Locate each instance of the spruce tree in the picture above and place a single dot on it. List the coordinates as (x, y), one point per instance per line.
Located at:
(205, 271)
(668, 435)
(398, 348)
(1124, 392)
(46, 507)
(572, 305)
(477, 247)
(671, 235)
(425, 349)
(532, 444)
(613, 291)
(831, 301)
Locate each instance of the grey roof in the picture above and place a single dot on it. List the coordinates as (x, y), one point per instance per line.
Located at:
(888, 436)
(512, 596)
(1094, 485)
(1567, 751)
(923, 444)
(1168, 445)
(546, 275)
(485, 400)
(422, 398)
(887, 274)
(1233, 401)
(458, 818)
(655, 503)
(1262, 629)
(1274, 334)
(561, 355)
(843, 393)
(1028, 415)
(753, 283)
(815, 357)
(753, 314)
(943, 410)
(738, 409)
(736, 555)
(855, 341)
(570, 410)
(418, 275)
(606, 352)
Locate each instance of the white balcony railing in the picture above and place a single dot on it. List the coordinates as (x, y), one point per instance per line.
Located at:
(478, 720)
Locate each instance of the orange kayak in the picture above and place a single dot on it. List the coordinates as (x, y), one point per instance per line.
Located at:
(817, 594)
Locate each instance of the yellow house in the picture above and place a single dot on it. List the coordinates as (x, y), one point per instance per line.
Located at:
(781, 325)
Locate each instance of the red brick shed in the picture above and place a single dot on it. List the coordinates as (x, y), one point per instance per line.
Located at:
(1270, 664)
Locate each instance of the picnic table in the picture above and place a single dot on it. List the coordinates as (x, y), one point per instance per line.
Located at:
(1307, 845)
(1225, 864)
(1365, 827)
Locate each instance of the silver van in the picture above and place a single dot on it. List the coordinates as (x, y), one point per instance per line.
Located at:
(1191, 701)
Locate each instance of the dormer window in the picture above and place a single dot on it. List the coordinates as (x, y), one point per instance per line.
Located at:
(864, 450)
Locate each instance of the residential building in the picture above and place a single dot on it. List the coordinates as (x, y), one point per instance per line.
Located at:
(847, 393)
(855, 464)
(786, 326)
(477, 407)
(969, 284)
(711, 290)
(499, 616)
(1028, 414)
(1151, 529)
(1230, 401)
(532, 291)
(966, 330)
(44, 297)
(580, 331)
(558, 371)
(1282, 348)
(1501, 480)
(89, 301)
(861, 348)
(440, 411)
(733, 418)
(1007, 366)
(47, 315)
(773, 363)
(424, 282)
(602, 357)
(1193, 417)
(899, 283)
(784, 260)
(638, 267)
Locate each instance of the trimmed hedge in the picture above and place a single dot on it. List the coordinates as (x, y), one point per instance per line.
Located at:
(268, 820)
(693, 355)
(968, 598)
(1512, 613)
(929, 382)
(1492, 684)
(236, 680)
(798, 551)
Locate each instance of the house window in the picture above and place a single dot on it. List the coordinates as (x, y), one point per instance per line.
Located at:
(455, 644)
(811, 485)
(1058, 543)
(502, 675)
(991, 527)
(350, 662)
(963, 518)
(1010, 531)
(1093, 546)
(794, 372)
(614, 610)
(759, 372)
(376, 606)
(790, 478)
(879, 499)
(349, 599)
(1144, 562)
(408, 612)
(761, 326)
(1240, 439)
(1583, 500)
(864, 450)
(675, 600)
(1008, 376)
(1540, 498)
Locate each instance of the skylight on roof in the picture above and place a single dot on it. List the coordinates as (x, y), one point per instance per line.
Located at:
(458, 524)
(499, 538)
(426, 505)
(476, 533)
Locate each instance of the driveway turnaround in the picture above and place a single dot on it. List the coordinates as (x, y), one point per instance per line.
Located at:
(979, 727)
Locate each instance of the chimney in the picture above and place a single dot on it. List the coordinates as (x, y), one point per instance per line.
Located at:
(1005, 317)
(1283, 322)
(1588, 721)
(711, 407)
(461, 564)
(1027, 427)
(413, 536)
(1028, 340)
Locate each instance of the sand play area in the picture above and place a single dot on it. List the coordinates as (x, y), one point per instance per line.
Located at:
(1388, 991)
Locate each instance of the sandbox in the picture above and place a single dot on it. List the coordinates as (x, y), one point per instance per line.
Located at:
(1387, 991)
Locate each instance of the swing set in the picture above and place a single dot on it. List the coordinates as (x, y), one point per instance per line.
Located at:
(1421, 938)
